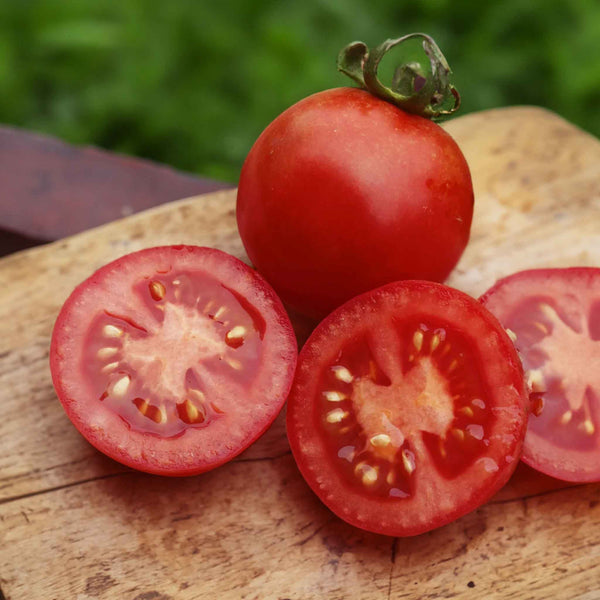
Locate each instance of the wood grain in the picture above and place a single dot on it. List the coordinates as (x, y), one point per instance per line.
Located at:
(537, 190)
(74, 524)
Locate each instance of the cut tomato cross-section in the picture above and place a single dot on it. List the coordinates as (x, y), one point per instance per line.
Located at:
(408, 408)
(554, 315)
(173, 359)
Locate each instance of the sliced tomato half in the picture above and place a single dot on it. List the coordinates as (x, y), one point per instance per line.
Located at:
(173, 360)
(555, 316)
(408, 408)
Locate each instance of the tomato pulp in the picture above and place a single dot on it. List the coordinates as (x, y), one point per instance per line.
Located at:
(174, 359)
(555, 316)
(408, 408)
(344, 192)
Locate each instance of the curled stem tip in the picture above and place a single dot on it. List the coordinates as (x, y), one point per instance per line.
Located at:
(415, 89)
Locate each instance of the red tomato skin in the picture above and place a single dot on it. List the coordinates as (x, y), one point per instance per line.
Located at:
(196, 451)
(574, 285)
(317, 465)
(344, 192)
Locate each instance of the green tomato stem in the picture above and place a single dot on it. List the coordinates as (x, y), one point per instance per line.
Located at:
(413, 89)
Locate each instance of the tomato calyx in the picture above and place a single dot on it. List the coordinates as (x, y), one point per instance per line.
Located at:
(415, 89)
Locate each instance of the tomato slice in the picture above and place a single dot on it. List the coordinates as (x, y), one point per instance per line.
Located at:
(408, 408)
(555, 315)
(173, 360)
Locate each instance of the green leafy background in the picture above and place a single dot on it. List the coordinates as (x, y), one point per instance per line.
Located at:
(193, 83)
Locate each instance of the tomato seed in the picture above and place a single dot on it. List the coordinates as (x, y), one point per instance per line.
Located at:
(408, 460)
(196, 395)
(141, 404)
(549, 311)
(239, 331)
(334, 396)
(566, 417)
(588, 427)
(535, 381)
(418, 340)
(343, 374)
(234, 363)
(511, 334)
(381, 440)
(358, 468)
(157, 290)
(367, 473)
(192, 411)
(222, 310)
(467, 411)
(189, 413)
(109, 367)
(336, 416)
(459, 434)
(121, 386)
(370, 476)
(158, 415)
(107, 352)
(435, 341)
(234, 338)
(111, 331)
(442, 447)
(541, 327)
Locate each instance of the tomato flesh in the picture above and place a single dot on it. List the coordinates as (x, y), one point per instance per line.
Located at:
(173, 348)
(408, 408)
(555, 316)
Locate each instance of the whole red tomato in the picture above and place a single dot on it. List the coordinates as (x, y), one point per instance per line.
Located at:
(344, 192)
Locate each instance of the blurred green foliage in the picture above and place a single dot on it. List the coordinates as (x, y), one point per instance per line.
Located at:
(192, 83)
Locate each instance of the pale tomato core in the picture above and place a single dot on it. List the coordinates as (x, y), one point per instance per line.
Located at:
(427, 403)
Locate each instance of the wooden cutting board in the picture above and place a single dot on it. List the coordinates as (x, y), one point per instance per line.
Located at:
(76, 525)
